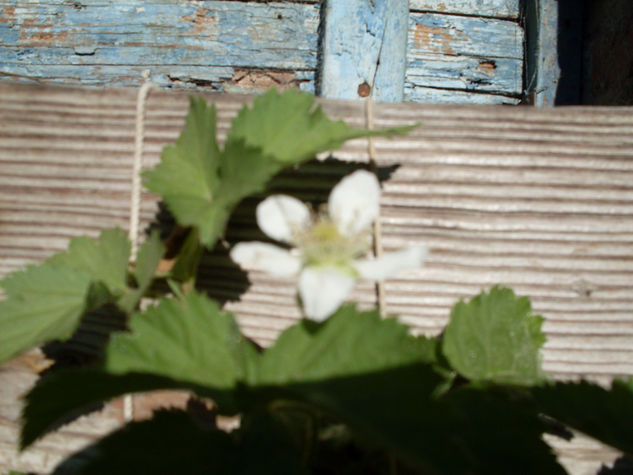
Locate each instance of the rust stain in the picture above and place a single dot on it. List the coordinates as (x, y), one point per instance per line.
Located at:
(7, 15)
(202, 22)
(487, 67)
(439, 39)
(364, 89)
(43, 39)
(258, 80)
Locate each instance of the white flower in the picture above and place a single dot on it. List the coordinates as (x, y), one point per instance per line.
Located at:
(328, 248)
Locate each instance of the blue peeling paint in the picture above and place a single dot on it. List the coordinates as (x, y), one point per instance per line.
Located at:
(365, 43)
(417, 56)
(483, 8)
(107, 43)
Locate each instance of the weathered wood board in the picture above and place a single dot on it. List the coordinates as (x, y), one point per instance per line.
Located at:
(364, 50)
(482, 8)
(217, 45)
(540, 200)
(467, 55)
(460, 51)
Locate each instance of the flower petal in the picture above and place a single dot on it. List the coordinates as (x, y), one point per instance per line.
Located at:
(267, 258)
(390, 264)
(354, 201)
(280, 216)
(323, 290)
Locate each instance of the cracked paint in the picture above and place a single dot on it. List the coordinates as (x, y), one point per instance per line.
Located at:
(203, 22)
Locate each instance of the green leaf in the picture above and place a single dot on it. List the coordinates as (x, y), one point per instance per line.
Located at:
(187, 175)
(266, 446)
(236, 182)
(604, 414)
(60, 397)
(188, 259)
(485, 430)
(171, 442)
(189, 340)
(105, 259)
(149, 255)
(289, 128)
(188, 168)
(44, 303)
(366, 371)
(495, 337)
(349, 342)
(468, 430)
(202, 185)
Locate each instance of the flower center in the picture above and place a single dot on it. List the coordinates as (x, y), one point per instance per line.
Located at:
(324, 245)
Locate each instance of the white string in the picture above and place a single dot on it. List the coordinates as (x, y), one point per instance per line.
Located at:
(135, 199)
(380, 286)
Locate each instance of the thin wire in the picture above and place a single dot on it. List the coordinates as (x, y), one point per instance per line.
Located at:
(135, 199)
(380, 286)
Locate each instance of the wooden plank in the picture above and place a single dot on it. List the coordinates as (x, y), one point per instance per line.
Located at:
(467, 36)
(484, 8)
(537, 199)
(554, 50)
(207, 43)
(219, 79)
(433, 95)
(364, 49)
(466, 73)
(543, 71)
(451, 56)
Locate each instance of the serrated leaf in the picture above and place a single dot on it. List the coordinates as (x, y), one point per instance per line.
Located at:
(244, 170)
(149, 255)
(105, 259)
(44, 303)
(171, 442)
(486, 430)
(202, 185)
(370, 374)
(349, 342)
(188, 168)
(63, 395)
(289, 128)
(495, 337)
(606, 415)
(468, 430)
(189, 340)
(187, 175)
